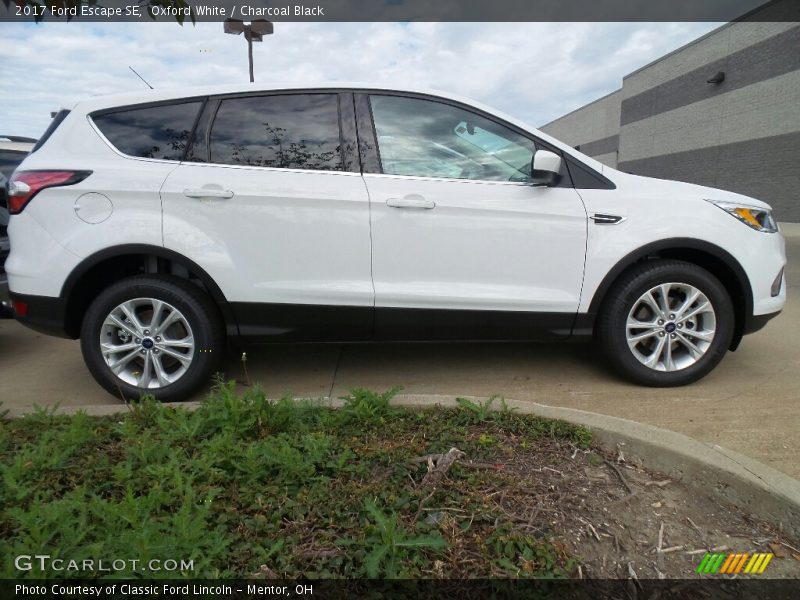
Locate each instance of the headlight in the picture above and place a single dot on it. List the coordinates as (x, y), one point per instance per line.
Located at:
(759, 219)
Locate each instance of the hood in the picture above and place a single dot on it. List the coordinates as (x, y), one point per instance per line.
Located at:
(644, 186)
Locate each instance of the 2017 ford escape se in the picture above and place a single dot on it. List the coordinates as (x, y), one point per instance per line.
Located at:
(154, 226)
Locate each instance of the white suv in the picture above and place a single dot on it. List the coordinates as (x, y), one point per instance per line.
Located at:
(155, 226)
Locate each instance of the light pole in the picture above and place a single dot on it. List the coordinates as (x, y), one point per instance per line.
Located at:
(253, 32)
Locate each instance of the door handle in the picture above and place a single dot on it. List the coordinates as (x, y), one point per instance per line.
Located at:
(411, 201)
(208, 193)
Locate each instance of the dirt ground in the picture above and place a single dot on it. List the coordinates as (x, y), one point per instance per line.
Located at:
(614, 516)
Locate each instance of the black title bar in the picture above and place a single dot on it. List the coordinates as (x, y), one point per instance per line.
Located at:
(187, 11)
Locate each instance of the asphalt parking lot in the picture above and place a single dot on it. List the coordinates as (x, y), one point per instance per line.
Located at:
(748, 404)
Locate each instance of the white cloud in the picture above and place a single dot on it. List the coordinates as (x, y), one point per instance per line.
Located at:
(536, 71)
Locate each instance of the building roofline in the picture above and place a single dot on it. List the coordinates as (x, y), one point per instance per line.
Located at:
(595, 101)
(679, 49)
(714, 31)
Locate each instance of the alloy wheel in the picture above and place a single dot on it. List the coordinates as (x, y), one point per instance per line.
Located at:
(147, 343)
(671, 326)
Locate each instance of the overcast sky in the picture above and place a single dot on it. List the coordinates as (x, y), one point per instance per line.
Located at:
(534, 71)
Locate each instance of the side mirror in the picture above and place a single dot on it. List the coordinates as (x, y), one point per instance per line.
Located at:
(545, 168)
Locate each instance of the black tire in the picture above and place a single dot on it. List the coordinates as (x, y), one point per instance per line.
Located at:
(612, 331)
(194, 305)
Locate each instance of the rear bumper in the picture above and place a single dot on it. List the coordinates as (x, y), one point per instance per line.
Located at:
(44, 314)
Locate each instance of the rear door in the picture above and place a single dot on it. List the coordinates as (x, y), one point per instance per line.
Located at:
(464, 246)
(270, 202)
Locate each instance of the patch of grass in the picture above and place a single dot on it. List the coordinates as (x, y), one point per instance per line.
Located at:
(477, 411)
(388, 549)
(247, 486)
(364, 407)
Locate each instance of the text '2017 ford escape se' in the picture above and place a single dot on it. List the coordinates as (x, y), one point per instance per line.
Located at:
(156, 227)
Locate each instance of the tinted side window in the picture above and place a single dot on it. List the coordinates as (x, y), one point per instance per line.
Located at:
(293, 131)
(154, 132)
(432, 139)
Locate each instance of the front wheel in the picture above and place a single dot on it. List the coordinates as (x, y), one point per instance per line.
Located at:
(152, 334)
(666, 323)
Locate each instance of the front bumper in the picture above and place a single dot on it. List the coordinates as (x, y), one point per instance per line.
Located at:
(756, 322)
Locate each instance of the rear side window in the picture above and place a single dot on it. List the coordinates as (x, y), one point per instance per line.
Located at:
(154, 132)
(291, 131)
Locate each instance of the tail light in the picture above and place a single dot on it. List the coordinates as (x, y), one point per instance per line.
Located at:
(20, 308)
(24, 185)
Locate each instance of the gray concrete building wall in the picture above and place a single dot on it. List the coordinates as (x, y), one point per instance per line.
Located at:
(741, 134)
(594, 129)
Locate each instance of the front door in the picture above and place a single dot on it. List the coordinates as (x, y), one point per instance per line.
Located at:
(463, 246)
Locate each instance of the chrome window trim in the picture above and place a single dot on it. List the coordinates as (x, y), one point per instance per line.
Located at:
(453, 180)
(279, 169)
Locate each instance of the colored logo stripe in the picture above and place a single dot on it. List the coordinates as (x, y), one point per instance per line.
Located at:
(754, 563)
(740, 563)
(701, 568)
(728, 562)
(732, 564)
(764, 563)
(710, 563)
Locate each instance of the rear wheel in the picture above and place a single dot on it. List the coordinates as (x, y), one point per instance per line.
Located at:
(155, 335)
(666, 323)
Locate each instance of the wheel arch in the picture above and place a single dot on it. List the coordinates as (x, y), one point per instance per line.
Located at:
(109, 265)
(704, 254)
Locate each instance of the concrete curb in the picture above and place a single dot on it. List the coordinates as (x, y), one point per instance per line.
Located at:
(731, 476)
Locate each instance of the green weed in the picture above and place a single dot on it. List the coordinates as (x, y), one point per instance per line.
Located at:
(389, 550)
(365, 407)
